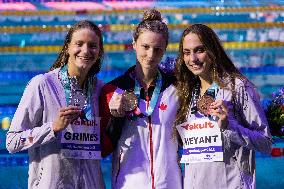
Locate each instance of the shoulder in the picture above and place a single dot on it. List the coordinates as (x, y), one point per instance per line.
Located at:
(168, 79)
(123, 82)
(37, 81)
(245, 86)
(170, 90)
(239, 85)
(239, 82)
(41, 81)
(98, 86)
(35, 86)
(52, 74)
(246, 91)
(100, 83)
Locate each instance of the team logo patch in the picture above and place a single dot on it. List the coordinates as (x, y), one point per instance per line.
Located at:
(163, 106)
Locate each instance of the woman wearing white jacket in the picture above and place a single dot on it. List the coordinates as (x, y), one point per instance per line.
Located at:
(139, 109)
(56, 118)
(220, 119)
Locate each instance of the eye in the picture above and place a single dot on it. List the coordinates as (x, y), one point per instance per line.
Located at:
(186, 53)
(158, 50)
(146, 46)
(200, 50)
(93, 45)
(79, 43)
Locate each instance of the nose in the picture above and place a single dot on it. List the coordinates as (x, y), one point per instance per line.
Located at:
(150, 53)
(193, 57)
(85, 49)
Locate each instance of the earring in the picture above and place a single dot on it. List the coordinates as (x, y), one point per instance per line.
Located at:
(214, 72)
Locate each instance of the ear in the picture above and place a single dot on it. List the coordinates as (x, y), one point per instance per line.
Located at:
(133, 44)
(67, 49)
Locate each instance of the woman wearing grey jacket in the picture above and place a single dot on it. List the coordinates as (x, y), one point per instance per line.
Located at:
(220, 119)
(56, 117)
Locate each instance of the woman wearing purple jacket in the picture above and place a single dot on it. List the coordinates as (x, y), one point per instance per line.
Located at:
(56, 120)
(220, 119)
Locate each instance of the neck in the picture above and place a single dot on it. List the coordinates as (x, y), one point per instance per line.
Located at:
(206, 82)
(80, 75)
(145, 76)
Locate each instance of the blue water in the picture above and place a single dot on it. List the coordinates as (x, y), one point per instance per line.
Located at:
(14, 173)
(14, 169)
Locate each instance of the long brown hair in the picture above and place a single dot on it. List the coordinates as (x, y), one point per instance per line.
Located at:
(63, 56)
(224, 71)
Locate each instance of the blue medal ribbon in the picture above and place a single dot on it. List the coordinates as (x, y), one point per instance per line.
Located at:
(154, 98)
(87, 111)
(211, 91)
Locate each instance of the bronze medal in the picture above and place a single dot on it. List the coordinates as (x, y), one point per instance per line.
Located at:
(203, 104)
(130, 101)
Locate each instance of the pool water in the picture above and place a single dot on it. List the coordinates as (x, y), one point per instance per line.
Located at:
(270, 172)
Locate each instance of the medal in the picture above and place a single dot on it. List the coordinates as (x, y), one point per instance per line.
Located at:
(130, 101)
(203, 104)
(77, 97)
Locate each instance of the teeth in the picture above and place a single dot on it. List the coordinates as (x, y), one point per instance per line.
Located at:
(195, 66)
(85, 58)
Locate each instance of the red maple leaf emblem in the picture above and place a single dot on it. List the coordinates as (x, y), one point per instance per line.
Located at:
(163, 106)
(185, 126)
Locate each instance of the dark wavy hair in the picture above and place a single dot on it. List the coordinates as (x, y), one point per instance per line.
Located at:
(63, 56)
(152, 21)
(224, 71)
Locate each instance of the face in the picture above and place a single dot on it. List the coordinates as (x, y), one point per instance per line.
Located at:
(83, 50)
(195, 56)
(150, 48)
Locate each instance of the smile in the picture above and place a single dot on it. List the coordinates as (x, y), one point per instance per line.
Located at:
(85, 58)
(196, 64)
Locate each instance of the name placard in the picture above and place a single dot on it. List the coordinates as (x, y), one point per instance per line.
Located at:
(81, 140)
(202, 141)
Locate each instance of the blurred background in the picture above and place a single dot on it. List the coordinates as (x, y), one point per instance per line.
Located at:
(32, 34)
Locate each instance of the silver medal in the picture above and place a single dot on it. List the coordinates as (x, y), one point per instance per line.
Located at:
(77, 97)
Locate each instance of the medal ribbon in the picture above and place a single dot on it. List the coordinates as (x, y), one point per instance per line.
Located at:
(91, 82)
(154, 98)
(211, 91)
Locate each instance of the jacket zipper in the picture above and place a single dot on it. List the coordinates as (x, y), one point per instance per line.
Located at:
(151, 145)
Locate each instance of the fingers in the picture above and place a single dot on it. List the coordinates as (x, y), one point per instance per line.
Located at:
(218, 108)
(70, 108)
(115, 113)
(115, 105)
(65, 116)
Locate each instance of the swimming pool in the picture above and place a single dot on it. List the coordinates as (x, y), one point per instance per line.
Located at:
(14, 171)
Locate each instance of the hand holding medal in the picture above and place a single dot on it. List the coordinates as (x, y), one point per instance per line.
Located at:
(129, 101)
(122, 102)
(204, 103)
(218, 108)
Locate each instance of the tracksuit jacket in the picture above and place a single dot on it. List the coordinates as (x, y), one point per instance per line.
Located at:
(144, 150)
(31, 129)
(247, 132)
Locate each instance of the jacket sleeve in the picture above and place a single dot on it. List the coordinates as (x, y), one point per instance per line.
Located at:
(27, 129)
(248, 126)
(110, 126)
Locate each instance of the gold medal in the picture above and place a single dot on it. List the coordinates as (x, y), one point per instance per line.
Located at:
(130, 101)
(203, 104)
